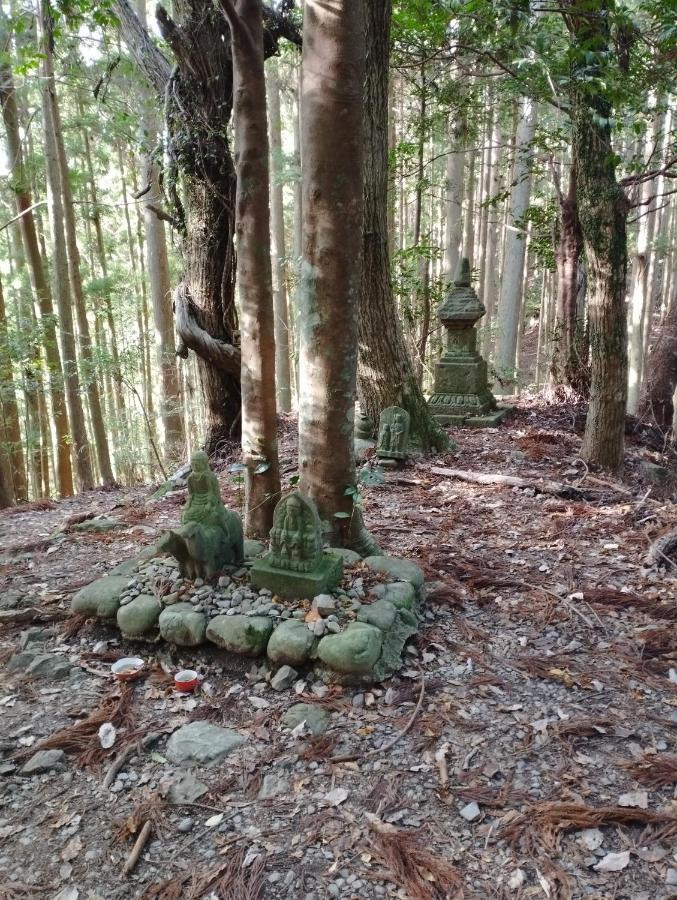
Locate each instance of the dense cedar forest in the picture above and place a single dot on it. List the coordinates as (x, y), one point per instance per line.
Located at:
(396, 281)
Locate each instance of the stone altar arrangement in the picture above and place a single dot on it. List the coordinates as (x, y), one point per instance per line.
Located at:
(461, 394)
(314, 615)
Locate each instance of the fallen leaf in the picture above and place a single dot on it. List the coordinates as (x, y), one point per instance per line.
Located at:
(312, 616)
(72, 849)
(212, 821)
(336, 797)
(652, 854)
(107, 735)
(613, 862)
(637, 799)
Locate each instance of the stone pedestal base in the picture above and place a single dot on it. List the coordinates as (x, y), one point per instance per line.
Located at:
(326, 574)
(489, 419)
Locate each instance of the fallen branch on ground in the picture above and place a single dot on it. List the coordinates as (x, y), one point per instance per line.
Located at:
(32, 614)
(137, 849)
(540, 485)
(129, 751)
(352, 757)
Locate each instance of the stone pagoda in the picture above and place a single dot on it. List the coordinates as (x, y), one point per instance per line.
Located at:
(461, 393)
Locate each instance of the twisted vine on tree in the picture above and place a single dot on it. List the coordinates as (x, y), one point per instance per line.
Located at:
(197, 93)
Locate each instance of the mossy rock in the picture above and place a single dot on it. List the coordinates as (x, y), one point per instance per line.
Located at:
(353, 651)
(400, 593)
(381, 614)
(244, 635)
(140, 617)
(100, 598)
(291, 644)
(183, 625)
(398, 569)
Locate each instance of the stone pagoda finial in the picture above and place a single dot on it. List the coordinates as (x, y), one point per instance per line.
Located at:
(461, 393)
(462, 278)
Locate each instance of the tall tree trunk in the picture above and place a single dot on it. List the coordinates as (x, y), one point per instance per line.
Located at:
(661, 382)
(9, 418)
(490, 296)
(569, 366)
(32, 386)
(252, 223)
(385, 372)
(454, 201)
(602, 208)
(158, 276)
(198, 110)
(641, 306)
(282, 374)
(77, 292)
(510, 302)
(24, 203)
(60, 273)
(332, 147)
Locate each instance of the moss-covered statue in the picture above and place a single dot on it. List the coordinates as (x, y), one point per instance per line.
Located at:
(211, 535)
(296, 565)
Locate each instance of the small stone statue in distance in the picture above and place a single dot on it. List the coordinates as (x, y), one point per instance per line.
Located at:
(211, 535)
(393, 434)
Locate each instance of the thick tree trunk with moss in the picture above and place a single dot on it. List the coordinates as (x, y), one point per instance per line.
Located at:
(197, 95)
(331, 149)
(252, 224)
(569, 369)
(385, 373)
(602, 208)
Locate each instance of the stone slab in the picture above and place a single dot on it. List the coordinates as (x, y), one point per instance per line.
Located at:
(201, 743)
(298, 585)
(487, 420)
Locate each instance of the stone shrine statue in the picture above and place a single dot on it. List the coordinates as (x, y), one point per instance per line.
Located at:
(211, 535)
(294, 539)
(393, 434)
(296, 565)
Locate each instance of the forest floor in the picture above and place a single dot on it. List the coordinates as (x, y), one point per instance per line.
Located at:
(542, 758)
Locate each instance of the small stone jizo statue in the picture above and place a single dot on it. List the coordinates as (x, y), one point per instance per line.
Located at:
(296, 565)
(393, 434)
(211, 535)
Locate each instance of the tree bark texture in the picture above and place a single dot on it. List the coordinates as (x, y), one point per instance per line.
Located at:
(60, 269)
(454, 197)
(602, 208)
(282, 370)
(252, 223)
(510, 301)
(24, 201)
(157, 265)
(11, 451)
(569, 367)
(661, 381)
(197, 95)
(77, 292)
(332, 148)
(386, 375)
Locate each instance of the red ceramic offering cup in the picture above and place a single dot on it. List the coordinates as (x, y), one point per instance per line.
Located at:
(185, 680)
